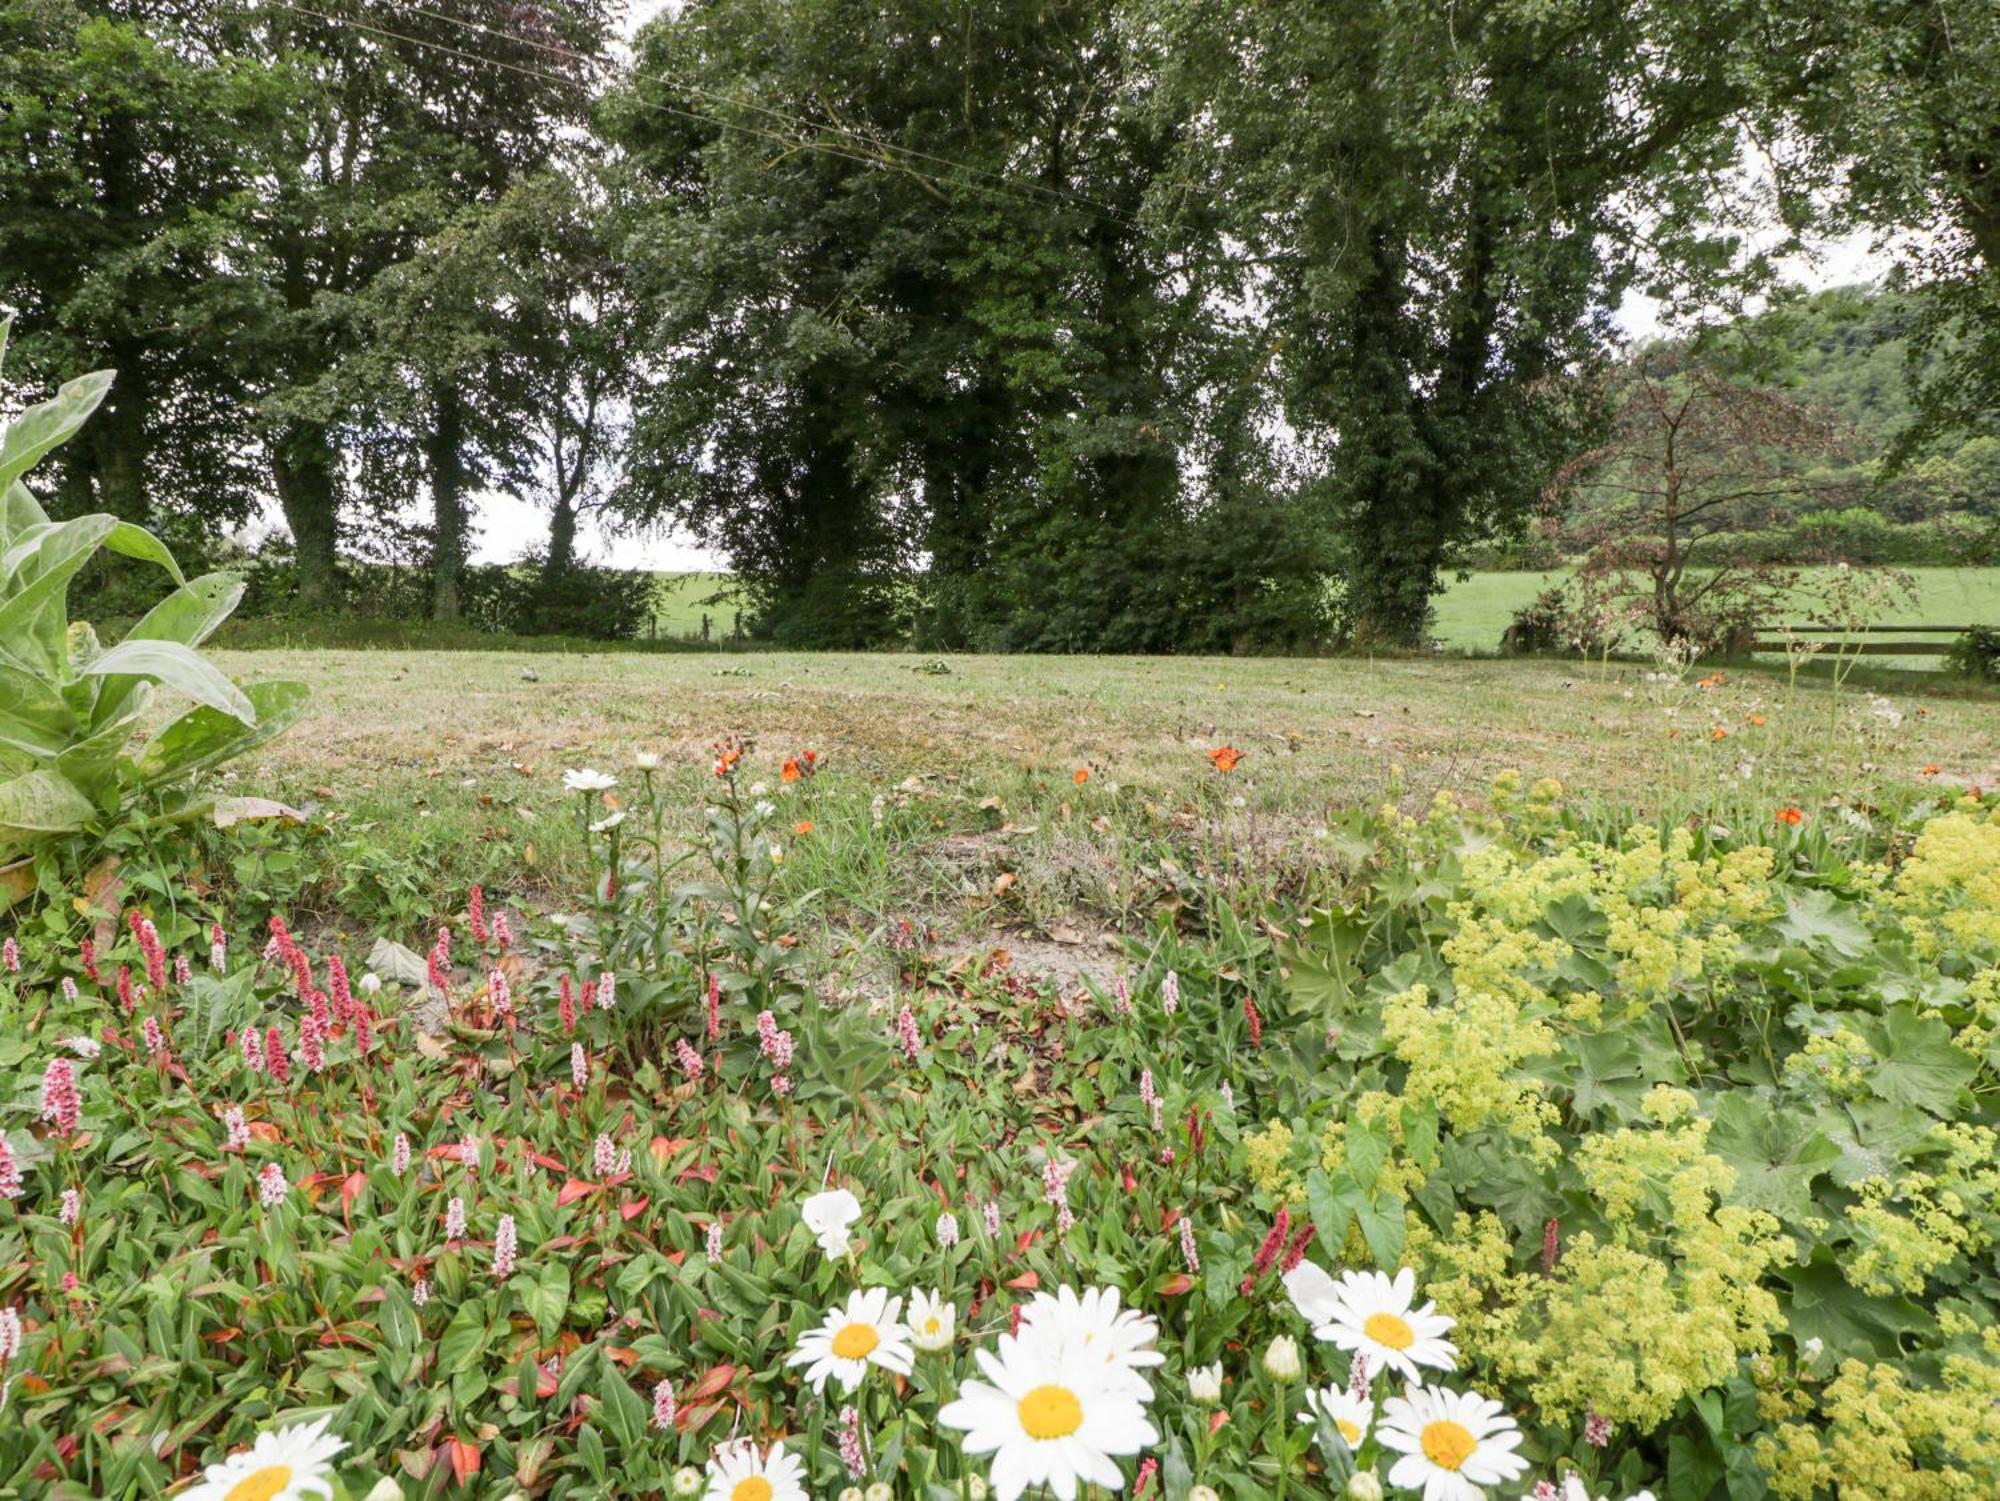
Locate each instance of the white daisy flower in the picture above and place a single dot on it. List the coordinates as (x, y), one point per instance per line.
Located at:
(1205, 1384)
(866, 1332)
(1453, 1444)
(609, 822)
(286, 1465)
(737, 1472)
(933, 1321)
(1575, 1490)
(646, 760)
(828, 1216)
(1350, 1413)
(584, 779)
(1315, 1294)
(1371, 1315)
(1123, 1341)
(1048, 1417)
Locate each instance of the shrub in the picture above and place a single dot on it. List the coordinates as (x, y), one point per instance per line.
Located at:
(70, 707)
(1976, 654)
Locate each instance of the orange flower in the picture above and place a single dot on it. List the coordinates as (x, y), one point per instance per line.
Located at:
(1082, 775)
(1791, 817)
(1757, 719)
(1931, 771)
(790, 770)
(1713, 680)
(1225, 757)
(1718, 733)
(803, 827)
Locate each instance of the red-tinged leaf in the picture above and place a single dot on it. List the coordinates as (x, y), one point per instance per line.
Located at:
(1216, 1420)
(623, 1354)
(573, 1190)
(264, 1131)
(67, 1445)
(546, 1382)
(1026, 1282)
(677, 1258)
(1026, 1239)
(561, 1242)
(548, 1162)
(631, 1209)
(464, 1458)
(702, 1170)
(223, 1336)
(1131, 1183)
(1175, 1285)
(351, 1189)
(714, 1382)
(664, 1148)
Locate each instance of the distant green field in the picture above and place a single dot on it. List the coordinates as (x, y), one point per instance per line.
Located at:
(686, 597)
(1473, 612)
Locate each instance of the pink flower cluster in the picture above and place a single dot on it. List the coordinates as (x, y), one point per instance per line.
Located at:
(776, 1045)
(690, 1060)
(62, 1106)
(906, 1032)
(505, 1248)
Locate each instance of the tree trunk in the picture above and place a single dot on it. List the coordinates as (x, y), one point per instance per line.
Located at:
(562, 539)
(118, 439)
(303, 474)
(447, 473)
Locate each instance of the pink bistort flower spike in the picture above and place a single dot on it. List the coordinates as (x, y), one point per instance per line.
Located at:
(1189, 1255)
(712, 1241)
(850, 1444)
(276, 1063)
(714, 1007)
(468, 1153)
(504, 1248)
(128, 1000)
(579, 1065)
(10, 955)
(271, 1185)
(62, 1106)
(500, 991)
(604, 1155)
(1170, 993)
(475, 915)
(566, 1004)
(503, 935)
(690, 1060)
(665, 1410)
(906, 1032)
(607, 991)
(253, 1049)
(1596, 1430)
(69, 990)
(236, 1130)
(312, 1044)
(340, 992)
(454, 1219)
(399, 1154)
(183, 971)
(420, 1291)
(10, 1171)
(86, 954)
(156, 1039)
(218, 948)
(10, 1335)
(72, 1207)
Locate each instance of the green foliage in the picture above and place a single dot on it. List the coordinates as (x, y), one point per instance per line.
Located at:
(1976, 654)
(72, 708)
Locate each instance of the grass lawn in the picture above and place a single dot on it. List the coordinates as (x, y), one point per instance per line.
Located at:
(1473, 612)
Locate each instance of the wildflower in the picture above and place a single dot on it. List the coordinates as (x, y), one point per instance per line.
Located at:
(253, 1050)
(127, 1000)
(622, 1163)
(690, 1060)
(1148, 1096)
(10, 1171)
(1453, 1444)
(1203, 1493)
(992, 1213)
(218, 948)
(500, 991)
(155, 1038)
(86, 954)
(454, 1219)
(276, 1064)
(687, 1481)
(364, 1029)
(1123, 992)
(236, 1130)
(607, 990)
(420, 1290)
(1281, 1359)
(1048, 1419)
(287, 1465)
(1205, 1384)
(1295, 1253)
(1188, 1253)
(371, 983)
(437, 963)
(312, 1045)
(336, 982)
(714, 1007)
(62, 1106)
(475, 914)
(712, 1241)
(503, 932)
(83, 1047)
(737, 1472)
(155, 954)
(774, 1042)
(10, 955)
(1791, 816)
(399, 1155)
(1267, 1252)
(69, 990)
(1349, 1412)
(608, 822)
(584, 779)
(947, 1230)
(504, 1248)
(728, 753)
(665, 1409)
(603, 1155)
(1256, 1022)
(10, 1335)
(1596, 1430)
(828, 1215)
(933, 1321)
(579, 1065)
(72, 1207)
(1225, 757)
(271, 1185)
(879, 1491)
(1123, 1342)
(906, 1032)
(1371, 1313)
(849, 1439)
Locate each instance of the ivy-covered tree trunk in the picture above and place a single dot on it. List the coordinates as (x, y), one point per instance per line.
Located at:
(562, 539)
(445, 453)
(304, 473)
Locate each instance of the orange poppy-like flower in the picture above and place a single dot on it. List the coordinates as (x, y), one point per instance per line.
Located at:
(1718, 733)
(790, 770)
(1082, 775)
(1757, 719)
(1791, 817)
(1931, 771)
(1225, 757)
(803, 827)
(1713, 680)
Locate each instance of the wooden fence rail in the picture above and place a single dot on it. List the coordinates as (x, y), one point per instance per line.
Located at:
(1871, 648)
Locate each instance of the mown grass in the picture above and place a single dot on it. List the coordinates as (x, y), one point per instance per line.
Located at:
(952, 796)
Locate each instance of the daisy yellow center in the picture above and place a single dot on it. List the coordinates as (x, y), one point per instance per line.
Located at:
(260, 1485)
(1349, 1431)
(931, 1325)
(1051, 1412)
(751, 1488)
(1448, 1445)
(855, 1342)
(1389, 1331)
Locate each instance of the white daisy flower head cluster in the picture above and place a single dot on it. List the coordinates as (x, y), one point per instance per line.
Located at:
(287, 1464)
(1064, 1400)
(1351, 1413)
(1371, 1314)
(1451, 1445)
(867, 1330)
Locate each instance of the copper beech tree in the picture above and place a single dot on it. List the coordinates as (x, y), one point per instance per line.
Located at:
(1693, 463)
